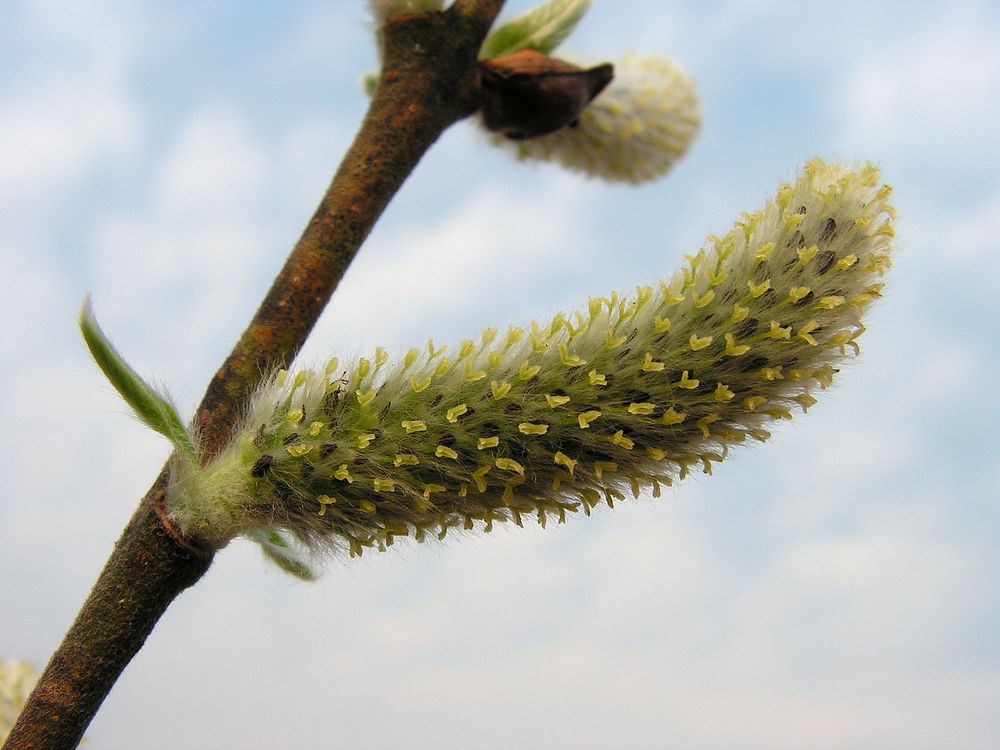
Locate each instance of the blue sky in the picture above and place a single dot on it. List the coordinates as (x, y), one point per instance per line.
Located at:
(834, 588)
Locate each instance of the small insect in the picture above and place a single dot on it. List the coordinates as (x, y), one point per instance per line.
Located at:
(528, 94)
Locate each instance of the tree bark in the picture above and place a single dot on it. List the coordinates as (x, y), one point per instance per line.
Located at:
(428, 82)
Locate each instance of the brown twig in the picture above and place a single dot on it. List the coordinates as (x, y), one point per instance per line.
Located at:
(428, 82)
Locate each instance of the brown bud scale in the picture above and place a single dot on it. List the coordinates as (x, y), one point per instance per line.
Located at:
(528, 94)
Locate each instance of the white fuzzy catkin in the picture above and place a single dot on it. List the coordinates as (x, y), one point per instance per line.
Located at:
(385, 9)
(628, 394)
(634, 131)
(17, 679)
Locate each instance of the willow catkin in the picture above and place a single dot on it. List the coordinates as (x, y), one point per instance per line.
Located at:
(634, 131)
(630, 393)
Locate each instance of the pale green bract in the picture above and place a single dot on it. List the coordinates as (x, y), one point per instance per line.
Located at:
(153, 408)
(626, 395)
(542, 29)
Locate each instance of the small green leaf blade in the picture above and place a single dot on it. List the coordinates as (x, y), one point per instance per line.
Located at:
(153, 408)
(542, 29)
(277, 549)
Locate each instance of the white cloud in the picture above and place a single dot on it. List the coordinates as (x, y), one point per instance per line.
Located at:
(486, 258)
(74, 462)
(961, 244)
(96, 35)
(308, 157)
(647, 627)
(189, 257)
(51, 136)
(931, 94)
(216, 167)
(974, 237)
(69, 110)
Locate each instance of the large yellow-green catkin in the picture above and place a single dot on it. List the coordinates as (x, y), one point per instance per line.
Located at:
(628, 394)
(634, 131)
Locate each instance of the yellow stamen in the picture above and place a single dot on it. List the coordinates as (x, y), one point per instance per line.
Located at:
(805, 332)
(798, 292)
(528, 371)
(650, 365)
(777, 332)
(661, 325)
(499, 389)
(443, 451)
(556, 401)
(419, 386)
(805, 401)
(602, 466)
(704, 422)
(686, 382)
(697, 344)
(509, 464)
(764, 251)
(622, 441)
(413, 425)
(806, 254)
(613, 342)
(570, 360)
(563, 460)
(642, 409)
(455, 412)
(478, 474)
(722, 393)
(527, 428)
(830, 302)
(671, 416)
(704, 300)
(734, 350)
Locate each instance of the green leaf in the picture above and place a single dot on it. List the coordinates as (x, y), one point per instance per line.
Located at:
(542, 29)
(277, 549)
(149, 405)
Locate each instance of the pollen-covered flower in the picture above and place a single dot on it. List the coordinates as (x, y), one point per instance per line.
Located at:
(627, 394)
(634, 131)
(17, 678)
